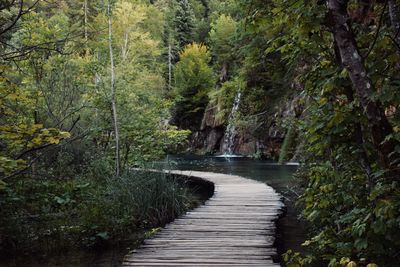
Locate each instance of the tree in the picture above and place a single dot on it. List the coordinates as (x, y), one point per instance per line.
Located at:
(23, 137)
(193, 81)
(113, 93)
(352, 60)
(184, 23)
(222, 33)
(81, 94)
(342, 58)
(142, 109)
(12, 12)
(394, 14)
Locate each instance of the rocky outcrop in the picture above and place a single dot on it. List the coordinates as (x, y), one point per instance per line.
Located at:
(210, 118)
(265, 140)
(208, 139)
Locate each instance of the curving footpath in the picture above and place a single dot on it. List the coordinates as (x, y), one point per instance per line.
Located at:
(235, 227)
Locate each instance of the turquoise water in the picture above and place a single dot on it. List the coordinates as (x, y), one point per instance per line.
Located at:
(279, 176)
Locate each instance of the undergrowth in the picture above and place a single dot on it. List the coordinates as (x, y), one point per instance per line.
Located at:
(91, 211)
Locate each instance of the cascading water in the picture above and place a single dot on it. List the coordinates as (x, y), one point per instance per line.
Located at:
(228, 144)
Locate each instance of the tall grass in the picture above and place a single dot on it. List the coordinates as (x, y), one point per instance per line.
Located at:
(44, 215)
(149, 199)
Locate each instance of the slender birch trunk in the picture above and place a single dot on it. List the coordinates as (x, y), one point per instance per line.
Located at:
(124, 49)
(169, 67)
(85, 7)
(85, 10)
(113, 101)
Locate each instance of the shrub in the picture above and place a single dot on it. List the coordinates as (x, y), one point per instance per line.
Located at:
(43, 215)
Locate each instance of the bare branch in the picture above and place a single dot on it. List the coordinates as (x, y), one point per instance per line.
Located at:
(19, 15)
(21, 12)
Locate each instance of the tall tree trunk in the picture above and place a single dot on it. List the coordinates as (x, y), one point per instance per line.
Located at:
(223, 74)
(113, 101)
(344, 37)
(394, 14)
(169, 67)
(359, 139)
(358, 133)
(85, 10)
(124, 50)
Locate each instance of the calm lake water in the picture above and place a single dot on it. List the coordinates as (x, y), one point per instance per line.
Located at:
(262, 170)
(290, 236)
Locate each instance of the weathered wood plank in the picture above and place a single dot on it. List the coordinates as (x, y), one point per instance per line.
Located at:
(234, 228)
(200, 264)
(194, 252)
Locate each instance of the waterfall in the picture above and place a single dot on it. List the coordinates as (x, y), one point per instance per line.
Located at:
(228, 144)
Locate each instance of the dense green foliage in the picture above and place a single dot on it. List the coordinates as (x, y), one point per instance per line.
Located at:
(348, 127)
(352, 193)
(91, 210)
(239, 64)
(69, 91)
(326, 74)
(57, 126)
(184, 23)
(222, 34)
(194, 80)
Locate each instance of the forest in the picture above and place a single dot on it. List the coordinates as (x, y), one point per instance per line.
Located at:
(91, 91)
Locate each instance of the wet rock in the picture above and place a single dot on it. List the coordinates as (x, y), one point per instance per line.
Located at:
(206, 141)
(263, 141)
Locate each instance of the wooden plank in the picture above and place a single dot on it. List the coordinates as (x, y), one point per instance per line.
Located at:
(234, 228)
(200, 264)
(194, 252)
(195, 261)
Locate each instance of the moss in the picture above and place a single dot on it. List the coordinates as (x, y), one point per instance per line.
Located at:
(288, 143)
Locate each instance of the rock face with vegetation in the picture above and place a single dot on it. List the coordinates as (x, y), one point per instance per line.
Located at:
(211, 108)
(98, 87)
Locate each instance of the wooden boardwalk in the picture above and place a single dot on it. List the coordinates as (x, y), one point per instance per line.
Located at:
(235, 227)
